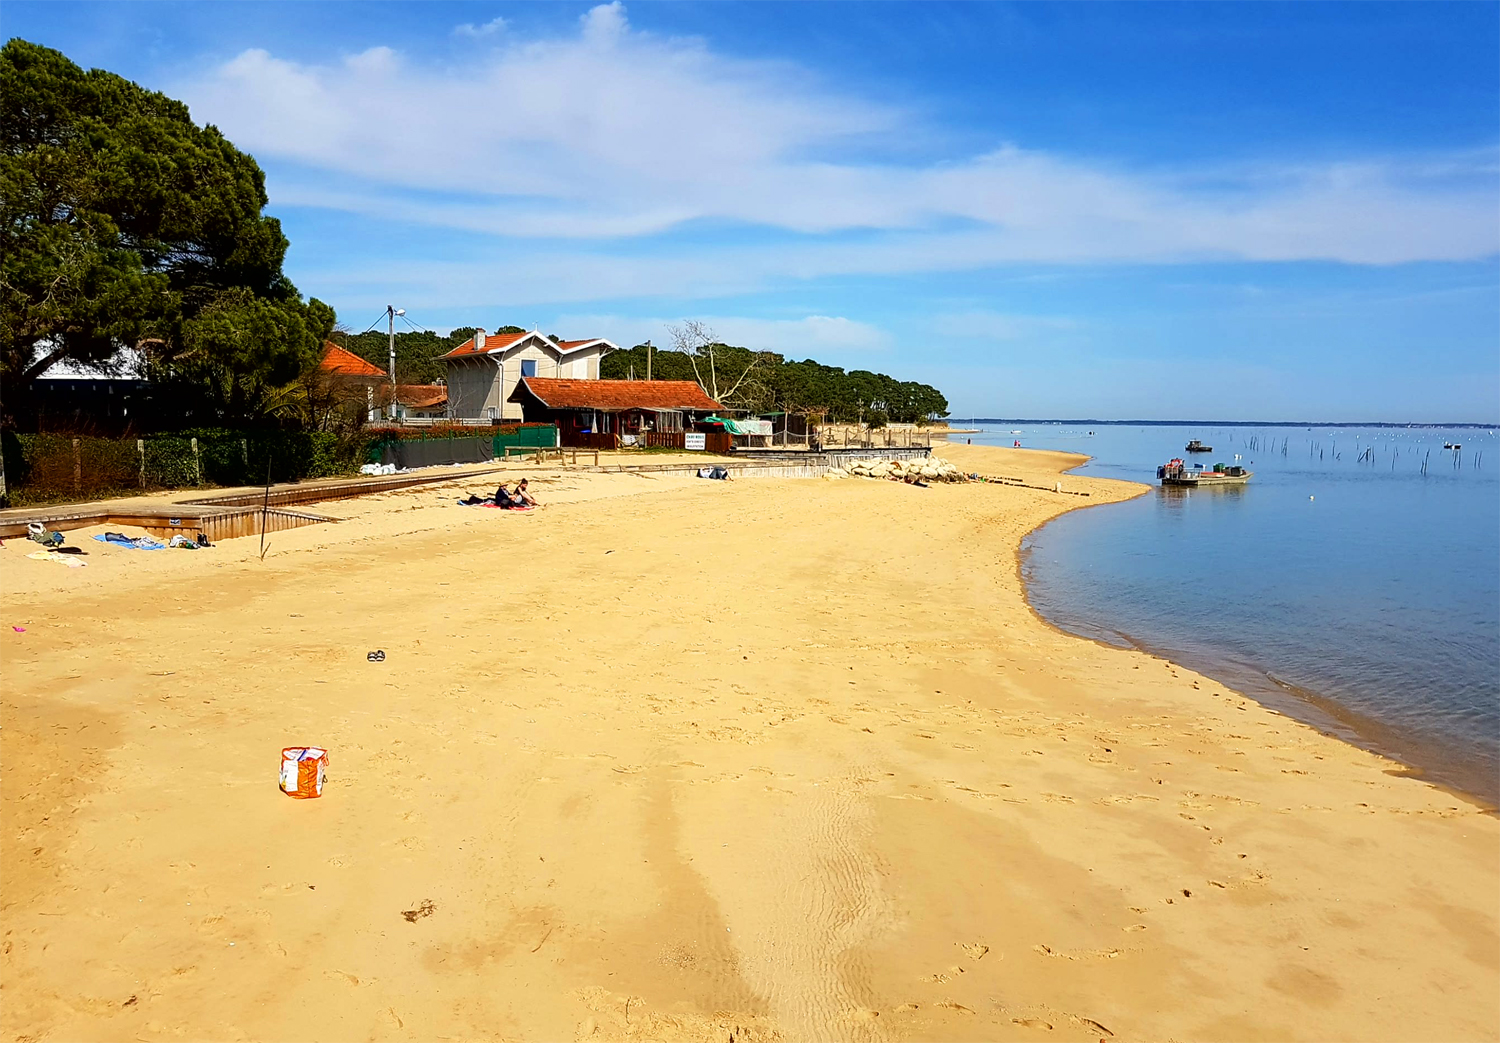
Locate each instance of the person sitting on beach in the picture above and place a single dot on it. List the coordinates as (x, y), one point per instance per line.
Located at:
(503, 498)
(522, 497)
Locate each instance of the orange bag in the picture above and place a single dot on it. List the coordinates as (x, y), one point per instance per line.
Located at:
(304, 769)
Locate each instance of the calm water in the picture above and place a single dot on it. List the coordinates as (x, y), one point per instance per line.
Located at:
(1341, 585)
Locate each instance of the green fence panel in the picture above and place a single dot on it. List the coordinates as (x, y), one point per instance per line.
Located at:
(540, 436)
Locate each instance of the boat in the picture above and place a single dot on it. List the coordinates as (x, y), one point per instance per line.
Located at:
(1175, 472)
(1453, 445)
(1196, 446)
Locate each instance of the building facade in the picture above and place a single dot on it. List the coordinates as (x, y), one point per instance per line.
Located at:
(484, 370)
(605, 414)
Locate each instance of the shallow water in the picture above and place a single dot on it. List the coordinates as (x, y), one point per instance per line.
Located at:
(1342, 584)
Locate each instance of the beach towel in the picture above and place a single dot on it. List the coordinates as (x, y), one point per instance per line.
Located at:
(139, 543)
(494, 506)
(62, 559)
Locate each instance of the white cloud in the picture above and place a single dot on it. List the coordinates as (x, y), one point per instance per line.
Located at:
(609, 133)
(490, 28)
(817, 336)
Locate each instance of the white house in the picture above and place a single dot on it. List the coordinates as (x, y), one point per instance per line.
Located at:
(484, 370)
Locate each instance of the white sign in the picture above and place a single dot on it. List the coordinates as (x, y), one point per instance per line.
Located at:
(693, 441)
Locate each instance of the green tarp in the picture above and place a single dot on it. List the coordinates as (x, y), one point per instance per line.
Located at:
(734, 427)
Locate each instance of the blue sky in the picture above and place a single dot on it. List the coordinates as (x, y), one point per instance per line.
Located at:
(1249, 211)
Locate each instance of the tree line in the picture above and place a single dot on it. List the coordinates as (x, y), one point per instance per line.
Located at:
(766, 381)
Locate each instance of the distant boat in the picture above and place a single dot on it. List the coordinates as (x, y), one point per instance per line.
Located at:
(1453, 445)
(1175, 472)
(1196, 446)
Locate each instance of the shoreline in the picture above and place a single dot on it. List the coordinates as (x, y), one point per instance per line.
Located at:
(1325, 713)
(853, 792)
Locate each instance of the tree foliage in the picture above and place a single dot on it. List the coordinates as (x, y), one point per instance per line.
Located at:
(122, 222)
(764, 381)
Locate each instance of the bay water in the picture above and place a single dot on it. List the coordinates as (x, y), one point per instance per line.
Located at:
(1354, 582)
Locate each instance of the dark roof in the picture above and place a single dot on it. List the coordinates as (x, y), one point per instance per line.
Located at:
(612, 396)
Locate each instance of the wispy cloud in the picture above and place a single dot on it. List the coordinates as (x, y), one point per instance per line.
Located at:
(611, 134)
(822, 337)
(479, 32)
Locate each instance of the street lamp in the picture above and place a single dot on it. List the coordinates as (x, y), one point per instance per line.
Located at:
(391, 311)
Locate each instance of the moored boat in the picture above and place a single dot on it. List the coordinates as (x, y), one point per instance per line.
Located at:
(1196, 446)
(1175, 472)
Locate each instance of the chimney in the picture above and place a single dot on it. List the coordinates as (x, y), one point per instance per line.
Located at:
(479, 340)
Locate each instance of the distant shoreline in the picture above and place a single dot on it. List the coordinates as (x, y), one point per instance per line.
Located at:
(1231, 423)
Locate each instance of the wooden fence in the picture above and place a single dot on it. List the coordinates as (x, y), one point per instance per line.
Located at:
(713, 442)
(589, 440)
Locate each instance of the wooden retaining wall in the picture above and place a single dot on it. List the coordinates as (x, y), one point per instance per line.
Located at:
(287, 495)
(166, 522)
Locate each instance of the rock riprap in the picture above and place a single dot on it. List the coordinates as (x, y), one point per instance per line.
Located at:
(932, 469)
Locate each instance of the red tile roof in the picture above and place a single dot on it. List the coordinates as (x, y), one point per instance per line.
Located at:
(501, 341)
(615, 395)
(492, 342)
(421, 396)
(343, 363)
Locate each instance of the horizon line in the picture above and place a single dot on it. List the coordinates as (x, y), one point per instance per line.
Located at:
(1225, 423)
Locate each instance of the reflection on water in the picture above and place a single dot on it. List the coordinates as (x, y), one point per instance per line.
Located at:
(1182, 493)
(1354, 579)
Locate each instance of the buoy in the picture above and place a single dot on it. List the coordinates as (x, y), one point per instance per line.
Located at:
(304, 770)
(1309, 498)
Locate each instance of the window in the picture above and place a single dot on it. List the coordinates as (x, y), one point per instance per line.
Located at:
(528, 367)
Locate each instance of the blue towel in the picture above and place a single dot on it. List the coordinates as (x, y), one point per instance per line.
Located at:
(139, 543)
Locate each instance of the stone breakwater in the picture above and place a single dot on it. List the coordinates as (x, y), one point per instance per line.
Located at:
(931, 469)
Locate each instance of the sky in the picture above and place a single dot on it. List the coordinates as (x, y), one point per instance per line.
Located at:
(1240, 211)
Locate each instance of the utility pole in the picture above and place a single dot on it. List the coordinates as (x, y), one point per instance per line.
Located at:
(391, 311)
(648, 359)
(4, 493)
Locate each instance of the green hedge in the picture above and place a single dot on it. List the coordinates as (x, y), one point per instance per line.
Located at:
(43, 468)
(46, 468)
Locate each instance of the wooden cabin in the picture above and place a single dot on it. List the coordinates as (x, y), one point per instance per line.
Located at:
(605, 414)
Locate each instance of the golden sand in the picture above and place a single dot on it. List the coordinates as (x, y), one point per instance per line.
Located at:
(677, 759)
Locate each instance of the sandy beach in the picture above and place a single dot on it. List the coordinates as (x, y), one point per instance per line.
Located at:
(688, 760)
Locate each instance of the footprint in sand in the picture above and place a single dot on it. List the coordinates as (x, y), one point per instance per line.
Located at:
(1032, 1023)
(942, 977)
(976, 951)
